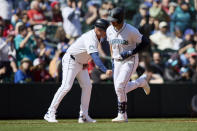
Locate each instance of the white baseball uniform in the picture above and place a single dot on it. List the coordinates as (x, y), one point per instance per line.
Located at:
(124, 40)
(72, 65)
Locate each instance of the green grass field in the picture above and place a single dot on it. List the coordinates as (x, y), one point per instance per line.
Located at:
(154, 124)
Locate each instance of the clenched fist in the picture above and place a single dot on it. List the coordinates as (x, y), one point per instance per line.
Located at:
(109, 73)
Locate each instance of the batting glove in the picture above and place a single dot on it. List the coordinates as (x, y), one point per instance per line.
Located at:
(126, 54)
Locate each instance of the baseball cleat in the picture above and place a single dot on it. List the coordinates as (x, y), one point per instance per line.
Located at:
(50, 117)
(122, 117)
(86, 119)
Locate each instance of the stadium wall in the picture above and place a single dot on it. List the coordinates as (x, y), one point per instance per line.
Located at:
(30, 101)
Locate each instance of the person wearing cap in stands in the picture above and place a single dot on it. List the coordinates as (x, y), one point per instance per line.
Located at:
(188, 39)
(23, 75)
(162, 39)
(157, 12)
(181, 18)
(74, 64)
(142, 15)
(39, 73)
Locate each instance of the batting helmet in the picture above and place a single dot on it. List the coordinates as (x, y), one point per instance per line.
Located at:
(102, 24)
(116, 15)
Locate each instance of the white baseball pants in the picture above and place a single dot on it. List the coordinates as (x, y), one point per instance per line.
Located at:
(122, 74)
(72, 69)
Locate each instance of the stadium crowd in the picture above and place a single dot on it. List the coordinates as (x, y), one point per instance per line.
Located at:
(35, 34)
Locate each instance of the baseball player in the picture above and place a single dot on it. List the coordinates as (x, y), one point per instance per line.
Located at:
(73, 62)
(125, 42)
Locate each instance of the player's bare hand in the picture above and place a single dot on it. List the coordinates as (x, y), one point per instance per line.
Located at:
(109, 73)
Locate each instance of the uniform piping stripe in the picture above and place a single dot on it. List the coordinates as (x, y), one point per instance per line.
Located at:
(129, 77)
(65, 80)
(119, 33)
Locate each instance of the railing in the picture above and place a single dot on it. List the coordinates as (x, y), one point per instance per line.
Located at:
(33, 100)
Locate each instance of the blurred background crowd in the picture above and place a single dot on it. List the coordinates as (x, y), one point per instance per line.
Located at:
(35, 34)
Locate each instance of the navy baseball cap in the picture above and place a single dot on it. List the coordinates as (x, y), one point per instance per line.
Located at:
(116, 14)
(102, 24)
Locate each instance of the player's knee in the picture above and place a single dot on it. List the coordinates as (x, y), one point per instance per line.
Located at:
(119, 84)
(86, 85)
(119, 90)
(66, 88)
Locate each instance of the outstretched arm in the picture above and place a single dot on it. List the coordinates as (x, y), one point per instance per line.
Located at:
(98, 62)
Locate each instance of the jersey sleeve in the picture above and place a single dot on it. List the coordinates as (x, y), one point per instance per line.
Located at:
(91, 44)
(136, 36)
(107, 34)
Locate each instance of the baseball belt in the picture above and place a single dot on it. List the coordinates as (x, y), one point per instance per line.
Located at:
(72, 57)
(84, 65)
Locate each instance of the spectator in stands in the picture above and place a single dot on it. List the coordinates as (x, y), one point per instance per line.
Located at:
(103, 13)
(105, 8)
(157, 12)
(157, 64)
(60, 35)
(45, 5)
(7, 57)
(23, 75)
(56, 12)
(157, 69)
(107, 5)
(6, 9)
(181, 18)
(16, 17)
(149, 3)
(187, 42)
(162, 39)
(172, 8)
(47, 40)
(177, 39)
(36, 15)
(54, 64)
(140, 18)
(71, 20)
(92, 14)
(156, 25)
(39, 73)
(24, 5)
(24, 44)
(165, 5)
(184, 57)
(175, 71)
(43, 51)
(147, 26)
(6, 26)
(193, 61)
(25, 19)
